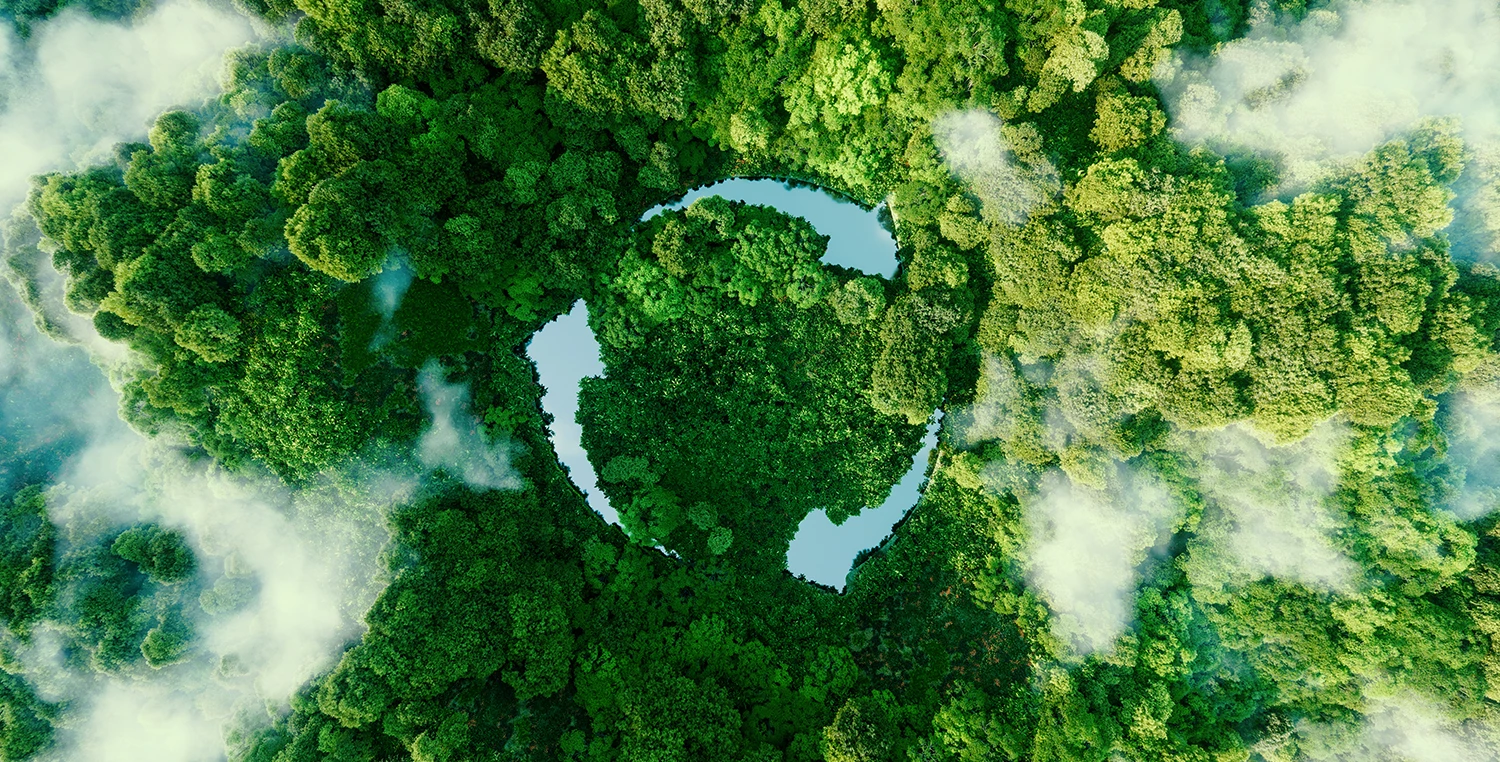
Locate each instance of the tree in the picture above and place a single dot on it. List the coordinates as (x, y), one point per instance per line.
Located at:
(345, 229)
(866, 729)
(27, 565)
(161, 554)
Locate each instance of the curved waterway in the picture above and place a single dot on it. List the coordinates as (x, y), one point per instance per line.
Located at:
(855, 236)
(565, 352)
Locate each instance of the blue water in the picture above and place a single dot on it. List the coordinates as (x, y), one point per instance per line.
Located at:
(823, 552)
(856, 237)
(566, 352)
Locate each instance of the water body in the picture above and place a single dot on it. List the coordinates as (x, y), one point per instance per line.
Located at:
(565, 352)
(823, 552)
(856, 237)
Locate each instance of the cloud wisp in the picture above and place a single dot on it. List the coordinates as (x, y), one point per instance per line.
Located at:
(999, 403)
(454, 440)
(1471, 423)
(1085, 546)
(1002, 166)
(81, 85)
(52, 400)
(292, 571)
(1316, 94)
(1266, 513)
(1345, 79)
(73, 91)
(1091, 523)
(1399, 727)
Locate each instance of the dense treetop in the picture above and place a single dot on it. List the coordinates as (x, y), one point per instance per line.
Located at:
(1129, 339)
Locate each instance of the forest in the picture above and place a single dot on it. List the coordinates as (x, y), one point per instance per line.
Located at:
(1217, 478)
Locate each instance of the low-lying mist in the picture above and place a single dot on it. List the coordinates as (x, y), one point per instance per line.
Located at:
(1314, 95)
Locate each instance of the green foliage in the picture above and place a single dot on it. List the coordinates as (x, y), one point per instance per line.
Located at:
(866, 729)
(210, 332)
(168, 642)
(24, 15)
(120, 597)
(1126, 121)
(26, 722)
(414, 654)
(161, 554)
(909, 378)
(770, 417)
(27, 560)
(344, 230)
(1141, 301)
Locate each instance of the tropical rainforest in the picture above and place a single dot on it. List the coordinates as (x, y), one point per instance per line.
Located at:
(1216, 479)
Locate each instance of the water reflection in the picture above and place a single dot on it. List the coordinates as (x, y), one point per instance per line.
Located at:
(856, 237)
(823, 552)
(566, 352)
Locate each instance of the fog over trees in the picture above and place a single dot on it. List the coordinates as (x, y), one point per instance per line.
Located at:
(1216, 367)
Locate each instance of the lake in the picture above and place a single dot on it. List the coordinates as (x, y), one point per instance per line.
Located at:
(565, 352)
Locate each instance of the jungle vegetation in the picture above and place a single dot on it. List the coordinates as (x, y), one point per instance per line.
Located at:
(1145, 296)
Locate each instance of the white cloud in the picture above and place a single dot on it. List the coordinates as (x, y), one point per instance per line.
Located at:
(29, 269)
(1267, 513)
(388, 289)
(309, 561)
(1084, 549)
(1339, 83)
(976, 148)
(89, 84)
(999, 401)
(1085, 542)
(1404, 727)
(454, 441)
(138, 722)
(78, 87)
(390, 286)
(1347, 78)
(313, 554)
(52, 400)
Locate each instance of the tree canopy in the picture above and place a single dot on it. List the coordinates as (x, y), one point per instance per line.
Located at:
(1214, 482)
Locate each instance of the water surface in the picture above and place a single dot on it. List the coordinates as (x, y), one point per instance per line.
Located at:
(823, 552)
(566, 352)
(856, 237)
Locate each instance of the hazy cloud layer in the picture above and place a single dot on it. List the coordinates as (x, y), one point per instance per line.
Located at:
(27, 265)
(388, 289)
(1345, 79)
(301, 567)
(1084, 548)
(1404, 727)
(1471, 423)
(1090, 524)
(1008, 180)
(454, 441)
(999, 401)
(82, 85)
(43, 421)
(287, 576)
(1267, 512)
(141, 722)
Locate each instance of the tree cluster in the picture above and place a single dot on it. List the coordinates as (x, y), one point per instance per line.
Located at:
(1080, 295)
